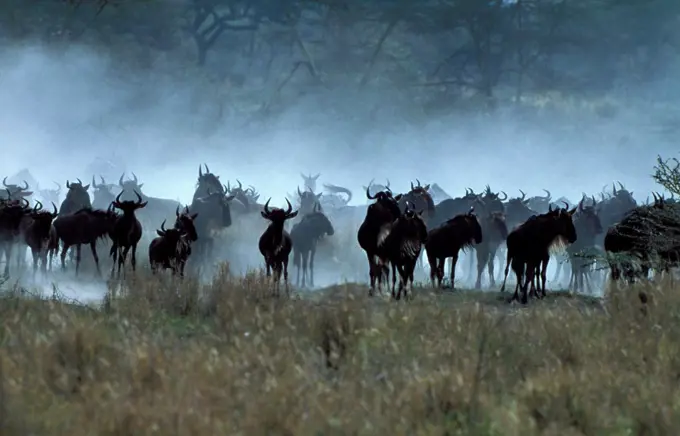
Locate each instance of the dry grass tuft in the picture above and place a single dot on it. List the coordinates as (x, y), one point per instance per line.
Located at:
(166, 356)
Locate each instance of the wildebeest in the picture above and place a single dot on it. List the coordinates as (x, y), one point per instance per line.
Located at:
(214, 214)
(528, 247)
(336, 196)
(517, 211)
(185, 222)
(207, 183)
(495, 232)
(36, 233)
(449, 208)
(245, 202)
(156, 210)
(127, 231)
(310, 182)
(275, 243)
(540, 204)
(11, 215)
(588, 227)
(447, 240)
(170, 250)
(400, 244)
(308, 201)
(103, 194)
(374, 188)
(647, 237)
(14, 192)
(76, 199)
(305, 235)
(382, 212)
(85, 226)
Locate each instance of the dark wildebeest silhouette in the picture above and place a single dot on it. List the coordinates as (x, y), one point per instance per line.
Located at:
(36, 233)
(400, 244)
(447, 240)
(495, 232)
(85, 226)
(214, 214)
(647, 237)
(376, 187)
(452, 207)
(14, 192)
(529, 246)
(207, 183)
(588, 227)
(185, 222)
(517, 211)
(246, 201)
(76, 199)
(103, 194)
(305, 235)
(11, 215)
(127, 232)
(382, 212)
(310, 181)
(275, 243)
(170, 250)
(613, 209)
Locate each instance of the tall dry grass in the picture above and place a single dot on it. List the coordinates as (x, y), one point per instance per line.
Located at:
(177, 358)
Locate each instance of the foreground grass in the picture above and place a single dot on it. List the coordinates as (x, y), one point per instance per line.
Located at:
(168, 358)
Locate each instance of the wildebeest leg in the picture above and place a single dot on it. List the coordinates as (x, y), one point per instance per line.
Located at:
(133, 258)
(529, 280)
(439, 265)
(371, 274)
(454, 262)
(544, 273)
(304, 258)
(78, 247)
(93, 249)
(518, 268)
(63, 256)
(483, 258)
(122, 259)
(490, 268)
(285, 276)
(36, 256)
(296, 264)
(312, 253)
(400, 269)
(394, 278)
(434, 268)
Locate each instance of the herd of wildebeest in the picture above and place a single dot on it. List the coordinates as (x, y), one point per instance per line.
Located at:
(397, 229)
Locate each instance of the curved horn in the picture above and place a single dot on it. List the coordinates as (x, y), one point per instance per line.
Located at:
(548, 196)
(80, 181)
(368, 194)
(207, 170)
(506, 196)
(240, 185)
(94, 182)
(118, 197)
(68, 185)
(412, 186)
(102, 179)
(226, 189)
(177, 211)
(592, 197)
(4, 182)
(56, 212)
(472, 191)
(580, 206)
(135, 178)
(524, 195)
(163, 226)
(620, 184)
(299, 192)
(266, 206)
(388, 183)
(290, 207)
(139, 197)
(418, 181)
(120, 181)
(614, 188)
(26, 187)
(200, 171)
(566, 205)
(36, 208)
(58, 187)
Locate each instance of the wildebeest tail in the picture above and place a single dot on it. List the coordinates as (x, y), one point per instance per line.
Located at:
(508, 260)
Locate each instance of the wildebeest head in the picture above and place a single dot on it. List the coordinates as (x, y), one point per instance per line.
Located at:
(129, 186)
(11, 214)
(276, 215)
(470, 222)
(103, 193)
(517, 209)
(171, 235)
(309, 201)
(386, 201)
(128, 206)
(213, 208)
(16, 192)
(563, 224)
(51, 195)
(411, 225)
(587, 215)
(623, 196)
(76, 198)
(239, 193)
(419, 198)
(42, 219)
(207, 182)
(184, 222)
(377, 187)
(492, 200)
(540, 204)
(310, 182)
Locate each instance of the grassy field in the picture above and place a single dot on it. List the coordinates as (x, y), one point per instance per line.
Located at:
(182, 359)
